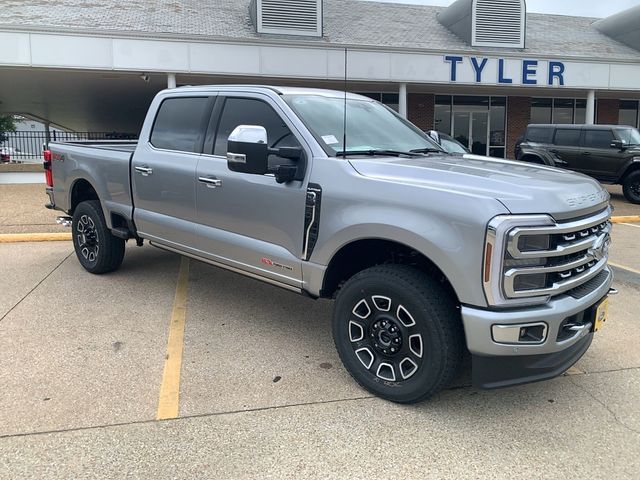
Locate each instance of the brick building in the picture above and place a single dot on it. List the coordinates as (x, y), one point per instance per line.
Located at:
(480, 70)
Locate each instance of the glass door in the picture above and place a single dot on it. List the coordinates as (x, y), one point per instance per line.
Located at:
(472, 130)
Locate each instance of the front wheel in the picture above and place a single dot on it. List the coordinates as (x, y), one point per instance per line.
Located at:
(96, 248)
(631, 187)
(398, 332)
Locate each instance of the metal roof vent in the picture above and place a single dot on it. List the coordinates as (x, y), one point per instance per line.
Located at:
(287, 17)
(498, 23)
(487, 23)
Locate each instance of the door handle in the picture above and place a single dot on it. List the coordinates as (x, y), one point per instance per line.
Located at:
(586, 153)
(144, 170)
(210, 182)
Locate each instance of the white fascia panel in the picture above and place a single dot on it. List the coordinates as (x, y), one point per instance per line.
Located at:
(221, 58)
(625, 77)
(14, 49)
(587, 75)
(70, 51)
(299, 62)
(156, 56)
(369, 65)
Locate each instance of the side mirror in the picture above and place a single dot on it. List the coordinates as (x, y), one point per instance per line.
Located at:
(619, 144)
(435, 136)
(247, 150)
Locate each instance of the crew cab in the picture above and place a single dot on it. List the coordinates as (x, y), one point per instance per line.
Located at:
(426, 254)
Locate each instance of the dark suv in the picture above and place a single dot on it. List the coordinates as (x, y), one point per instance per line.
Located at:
(609, 153)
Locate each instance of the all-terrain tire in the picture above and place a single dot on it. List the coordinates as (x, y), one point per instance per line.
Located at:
(96, 248)
(398, 306)
(631, 187)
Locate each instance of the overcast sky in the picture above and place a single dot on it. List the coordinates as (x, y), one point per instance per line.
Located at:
(584, 8)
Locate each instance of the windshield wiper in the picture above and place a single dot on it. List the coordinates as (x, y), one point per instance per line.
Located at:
(427, 150)
(373, 152)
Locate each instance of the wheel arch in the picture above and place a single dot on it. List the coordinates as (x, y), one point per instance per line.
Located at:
(81, 190)
(363, 253)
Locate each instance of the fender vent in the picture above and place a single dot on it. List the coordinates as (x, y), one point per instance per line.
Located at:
(311, 219)
(287, 17)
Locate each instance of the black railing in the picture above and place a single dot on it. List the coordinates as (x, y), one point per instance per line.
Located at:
(26, 146)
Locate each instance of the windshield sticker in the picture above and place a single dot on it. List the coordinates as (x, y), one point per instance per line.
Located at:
(330, 139)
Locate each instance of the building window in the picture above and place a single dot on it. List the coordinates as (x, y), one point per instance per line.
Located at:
(558, 110)
(477, 122)
(628, 114)
(391, 100)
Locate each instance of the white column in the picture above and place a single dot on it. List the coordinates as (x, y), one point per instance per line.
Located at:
(402, 101)
(171, 80)
(591, 107)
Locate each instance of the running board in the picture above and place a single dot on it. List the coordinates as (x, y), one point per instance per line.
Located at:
(227, 267)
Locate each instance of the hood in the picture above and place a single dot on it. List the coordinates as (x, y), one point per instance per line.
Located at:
(523, 188)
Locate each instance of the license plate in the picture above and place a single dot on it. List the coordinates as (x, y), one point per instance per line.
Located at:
(602, 313)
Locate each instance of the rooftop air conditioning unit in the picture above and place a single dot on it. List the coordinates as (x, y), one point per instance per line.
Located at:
(287, 17)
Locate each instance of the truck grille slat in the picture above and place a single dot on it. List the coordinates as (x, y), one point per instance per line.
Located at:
(562, 257)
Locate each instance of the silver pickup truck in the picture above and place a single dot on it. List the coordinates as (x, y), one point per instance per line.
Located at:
(426, 254)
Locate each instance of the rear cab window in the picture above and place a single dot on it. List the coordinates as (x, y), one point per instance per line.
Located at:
(180, 124)
(568, 137)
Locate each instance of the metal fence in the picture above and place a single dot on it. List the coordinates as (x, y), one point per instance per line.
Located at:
(26, 146)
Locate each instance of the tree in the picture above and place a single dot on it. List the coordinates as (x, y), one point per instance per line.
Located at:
(7, 124)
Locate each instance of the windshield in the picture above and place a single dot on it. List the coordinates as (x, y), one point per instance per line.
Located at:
(452, 146)
(630, 136)
(370, 125)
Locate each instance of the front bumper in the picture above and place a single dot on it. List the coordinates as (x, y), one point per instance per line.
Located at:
(503, 364)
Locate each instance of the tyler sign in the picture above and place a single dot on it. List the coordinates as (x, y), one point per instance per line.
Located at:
(505, 71)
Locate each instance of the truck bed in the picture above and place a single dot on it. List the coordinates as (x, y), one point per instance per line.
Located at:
(103, 164)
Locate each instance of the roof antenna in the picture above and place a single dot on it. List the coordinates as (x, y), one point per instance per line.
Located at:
(344, 120)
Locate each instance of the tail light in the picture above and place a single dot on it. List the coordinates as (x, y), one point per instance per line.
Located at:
(48, 172)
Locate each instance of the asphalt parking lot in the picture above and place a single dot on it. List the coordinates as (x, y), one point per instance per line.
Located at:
(86, 372)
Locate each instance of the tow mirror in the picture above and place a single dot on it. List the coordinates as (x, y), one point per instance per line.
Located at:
(247, 150)
(619, 144)
(435, 136)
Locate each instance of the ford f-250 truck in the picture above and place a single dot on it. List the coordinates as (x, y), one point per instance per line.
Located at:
(425, 253)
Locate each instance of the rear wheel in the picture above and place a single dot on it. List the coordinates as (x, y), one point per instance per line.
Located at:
(96, 248)
(398, 332)
(631, 187)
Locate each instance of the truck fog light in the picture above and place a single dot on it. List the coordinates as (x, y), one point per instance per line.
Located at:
(523, 333)
(530, 282)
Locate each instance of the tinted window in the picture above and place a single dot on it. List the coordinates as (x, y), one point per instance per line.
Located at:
(567, 137)
(539, 135)
(248, 111)
(179, 124)
(598, 138)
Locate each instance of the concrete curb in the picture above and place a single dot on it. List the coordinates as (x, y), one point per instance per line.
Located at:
(626, 219)
(34, 237)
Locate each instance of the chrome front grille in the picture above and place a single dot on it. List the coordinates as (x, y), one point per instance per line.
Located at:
(530, 258)
(575, 253)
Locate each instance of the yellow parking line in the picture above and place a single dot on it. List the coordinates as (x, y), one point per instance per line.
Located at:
(624, 267)
(626, 219)
(34, 237)
(169, 402)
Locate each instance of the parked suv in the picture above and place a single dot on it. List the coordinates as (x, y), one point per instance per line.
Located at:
(608, 153)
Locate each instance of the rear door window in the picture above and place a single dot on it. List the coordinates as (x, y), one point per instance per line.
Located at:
(598, 138)
(567, 137)
(180, 124)
(539, 135)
